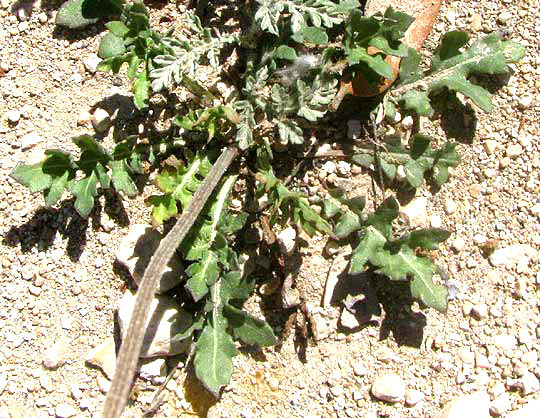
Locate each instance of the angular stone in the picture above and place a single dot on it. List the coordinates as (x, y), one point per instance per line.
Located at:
(91, 63)
(500, 405)
(413, 396)
(530, 410)
(474, 405)
(389, 388)
(65, 410)
(287, 240)
(152, 369)
(529, 383)
(165, 321)
(517, 254)
(104, 357)
(415, 212)
(135, 252)
(57, 355)
(30, 140)
(101, 120)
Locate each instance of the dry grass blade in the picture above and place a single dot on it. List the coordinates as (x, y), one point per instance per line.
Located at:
(131, 346)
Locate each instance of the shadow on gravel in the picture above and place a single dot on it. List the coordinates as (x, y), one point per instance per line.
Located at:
(376, 300)
(46, 224)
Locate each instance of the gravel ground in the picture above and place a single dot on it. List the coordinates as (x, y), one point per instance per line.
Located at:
(58, 285)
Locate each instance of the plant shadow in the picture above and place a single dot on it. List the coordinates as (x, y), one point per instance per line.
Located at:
(370, 299)
(46, 224)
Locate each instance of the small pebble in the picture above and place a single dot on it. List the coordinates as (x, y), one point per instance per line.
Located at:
(475, 190)
(413, 396)
(64, 410)
(476, 22)
(101, 120)
(389, 388)
(514, 150)
(504, 17)
(458, 244)
(450, 206)
(13, 116)
(42, 17)
(480, 311)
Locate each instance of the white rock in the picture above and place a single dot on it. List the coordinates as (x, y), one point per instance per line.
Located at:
(535, 209)
(135, 252)
(13, 116)
(359, 368)
(65, 410)
(344, 168)
(525, 101)
(458, 244)
(104, 357)
(514, 150)
(57, 355)
(415, 212)
(505, 341)
(451, 17)
(529, 383)
(151, 369)
(101, 120)
(407, 122)
(329, 167)
(474, 405)
(435, 221)
(413, 396)
(491, 146)
(517, 254)
(500, 405)
(23, 26)
(84, 117)
(30, 140)
(389, 388)
(530, 410)
(504, 17)
(450, 206)
(165, 320)
(91, 63)
(103, 383)
(348, 320)
(287, 239)
(42, 17)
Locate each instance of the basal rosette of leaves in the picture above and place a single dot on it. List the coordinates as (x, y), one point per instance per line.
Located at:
(291, 55)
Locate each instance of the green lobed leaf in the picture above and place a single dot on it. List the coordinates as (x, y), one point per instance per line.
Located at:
(85, 190)
(202, 274)
(250, 330)
(417, 161)
(76, 14)
(214, 351)
(164, 208)
(111, 45)
(428, 239)
(371, 242)
(285, 52)
(290, 132)
(383, 216)
(121, 178)
(451, 67)
(141, 90)
(404, 263)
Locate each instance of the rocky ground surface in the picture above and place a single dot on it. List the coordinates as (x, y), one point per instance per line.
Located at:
(60, 286)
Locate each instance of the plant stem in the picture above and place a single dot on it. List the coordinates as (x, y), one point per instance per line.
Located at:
(130, 350)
